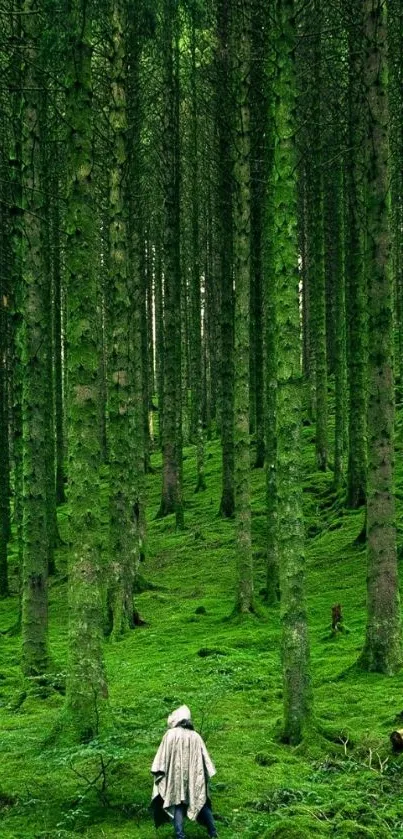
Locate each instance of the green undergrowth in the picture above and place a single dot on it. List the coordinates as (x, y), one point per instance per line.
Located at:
(342, 781)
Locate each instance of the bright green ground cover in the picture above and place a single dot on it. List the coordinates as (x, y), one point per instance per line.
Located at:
(262, 788)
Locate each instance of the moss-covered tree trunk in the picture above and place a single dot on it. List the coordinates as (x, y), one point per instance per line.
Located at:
(270, 353)
(259, 26)
(134, 197)
(395, 62)
(145, 356)
(295, 645)
(241, 45)
(356, 271)
(16, 289)
(316, 266)
(171, 497)
(272, 580)
(121, 430)
(4, 425)
(50, 452)
(159, 338)
(302, 243)
(86, 681)
(383, 649)
(150, 318)
(335, 206)
(58, 337)
(196, 419)
(35, 362)
(223, 106)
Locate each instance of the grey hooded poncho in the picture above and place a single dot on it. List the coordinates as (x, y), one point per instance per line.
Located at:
(182, 767)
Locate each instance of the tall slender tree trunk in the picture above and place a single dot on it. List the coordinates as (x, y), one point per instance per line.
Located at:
(270, 350)
(58, 340)
(86, 681)
(124, 547)
(316, 266)
(337, 278)
(145, 359)
(171, 498)
(242, 271)
(259, 27)
(295, 644)
(357, 349)
(302, 243)
(134, 196)
(395, 63)
(50, 451)
(16, 235)
(383, 644)
(225, 202)
(4, 424)
(196, 338)
(35, 407)
(159, 339)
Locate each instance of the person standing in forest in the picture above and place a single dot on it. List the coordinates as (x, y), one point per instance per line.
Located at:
(181, 769)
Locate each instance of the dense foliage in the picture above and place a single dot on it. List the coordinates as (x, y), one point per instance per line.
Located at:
(200, 260)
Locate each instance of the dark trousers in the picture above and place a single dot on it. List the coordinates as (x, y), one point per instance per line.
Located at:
(205, 816)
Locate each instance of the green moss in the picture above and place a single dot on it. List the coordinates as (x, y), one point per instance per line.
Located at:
(157, 667)
(301, 827)
(354, 830)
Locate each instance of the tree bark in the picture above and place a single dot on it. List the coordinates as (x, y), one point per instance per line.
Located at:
(383, 649)
(242, 272)
(295, 644)
(225, 190)
(35, 364)
(86, 681)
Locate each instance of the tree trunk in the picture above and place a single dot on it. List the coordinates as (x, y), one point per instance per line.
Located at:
(357, 350)
(196, 422)
(316, 267)
(258, 94)
(295, 645)
(383, 650)
(171, 498)
(124, 548)
(225, 200)
(58, 340)
(242, 268)
(4, 424)
(86, 680)
(35, 361)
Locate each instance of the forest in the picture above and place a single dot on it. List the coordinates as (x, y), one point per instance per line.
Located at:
(201, 412)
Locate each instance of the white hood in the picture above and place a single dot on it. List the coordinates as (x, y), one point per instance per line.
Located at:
(180, 714)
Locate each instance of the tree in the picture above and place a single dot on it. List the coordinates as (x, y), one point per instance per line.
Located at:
(121, 412)
(295, 644)
(335, 87)
(383, 650)
(171, 497)
(357, 349)
(4, 424)
(86, 681)
(313, 156)
(35, 360)
(258, 138)
(241, 55)
(225, 189)
(196, 336)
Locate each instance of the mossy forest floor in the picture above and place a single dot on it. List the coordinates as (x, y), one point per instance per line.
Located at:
(343, 781)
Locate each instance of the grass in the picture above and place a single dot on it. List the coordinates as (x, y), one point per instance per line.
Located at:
(344, 784)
